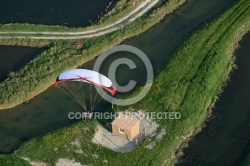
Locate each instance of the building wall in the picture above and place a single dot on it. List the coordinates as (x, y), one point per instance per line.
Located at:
(135, 130)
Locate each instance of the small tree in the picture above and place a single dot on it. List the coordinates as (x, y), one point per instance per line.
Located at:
(11, 74)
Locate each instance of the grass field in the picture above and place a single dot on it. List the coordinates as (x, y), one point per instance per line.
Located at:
(188, 83)
(12, 160)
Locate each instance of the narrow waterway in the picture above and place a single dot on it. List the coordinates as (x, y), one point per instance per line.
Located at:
(49, 110)
(53, 12)
(12, 58)
(226, 137)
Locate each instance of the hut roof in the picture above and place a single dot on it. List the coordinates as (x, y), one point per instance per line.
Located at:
(125, 122)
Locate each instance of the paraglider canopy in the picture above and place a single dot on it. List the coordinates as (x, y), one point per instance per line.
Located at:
(78, 83)
(88, 76)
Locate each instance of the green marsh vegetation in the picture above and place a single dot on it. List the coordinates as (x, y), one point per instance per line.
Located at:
(12, 160)
(41, 72)
(188, 83)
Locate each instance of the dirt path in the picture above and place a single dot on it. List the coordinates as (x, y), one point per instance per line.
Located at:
(130, 18)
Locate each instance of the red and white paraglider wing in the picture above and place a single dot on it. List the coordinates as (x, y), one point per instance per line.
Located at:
(88, 76)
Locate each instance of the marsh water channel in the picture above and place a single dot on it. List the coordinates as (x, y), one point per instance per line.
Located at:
(49, 110)
(69, 13)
